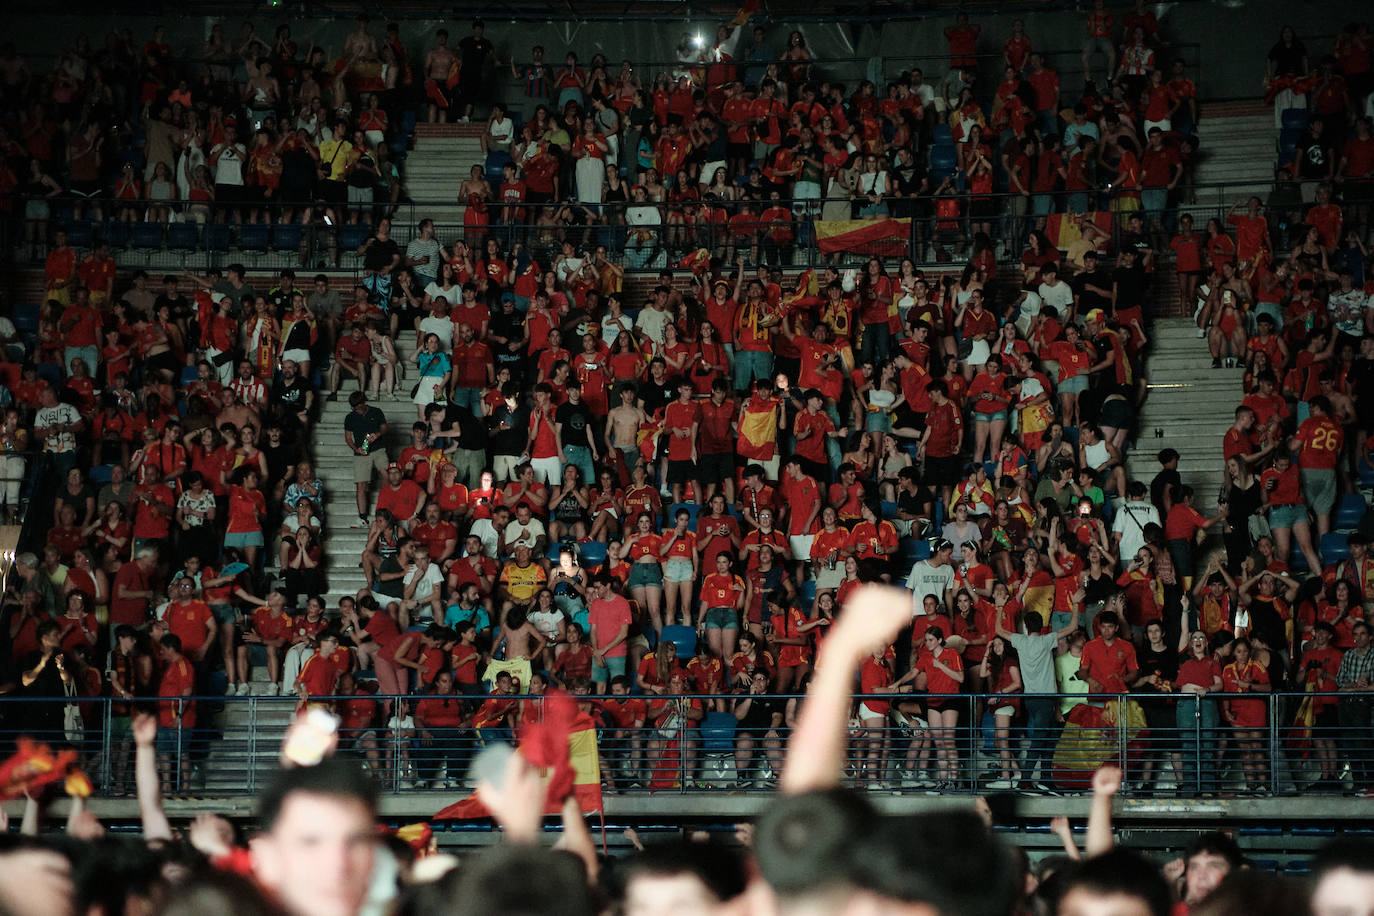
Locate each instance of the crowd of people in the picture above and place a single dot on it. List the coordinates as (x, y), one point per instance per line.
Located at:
(735, 146)
(316, 846)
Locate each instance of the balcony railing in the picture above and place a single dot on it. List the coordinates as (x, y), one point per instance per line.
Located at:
(1165, 744)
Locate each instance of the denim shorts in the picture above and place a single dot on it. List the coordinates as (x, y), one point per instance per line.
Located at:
(981, 417)
(614, 667)
(645, 574)
(721, 618)
(1287, 516)
(1076, 385)
(677, 571)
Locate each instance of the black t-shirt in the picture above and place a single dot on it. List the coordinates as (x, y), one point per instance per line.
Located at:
(474, 52)
(915, 503)
(510, 325)
(1130, 286)
(509, 441)
(656, 395)
(1167, 477)
(1287, 59)
(760, 714)
(1316, 155)
(380, 254)
(576, 420)
(1088, 299)
(472, 431)
(179, 306)
(291, 394)
(1164, 663)
(365, 424)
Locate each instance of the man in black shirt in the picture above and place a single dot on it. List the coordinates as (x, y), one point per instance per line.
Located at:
(1316, 158)
(1092, 290)
(1164, 488)
(510, 431)
(381, 255)
(1128, 286)
(179, 307)
(573, 419)
(454, 424)
(474, 52)
(292, 398)
(658, 391)
(507, 338)
(365, 434)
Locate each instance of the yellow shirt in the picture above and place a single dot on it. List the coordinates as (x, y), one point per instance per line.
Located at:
(334, 156)
(523, 584)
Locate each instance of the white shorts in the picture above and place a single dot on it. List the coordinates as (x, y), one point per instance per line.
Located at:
(550, 470)
(867, 712)
(800, 545)
(296, 356)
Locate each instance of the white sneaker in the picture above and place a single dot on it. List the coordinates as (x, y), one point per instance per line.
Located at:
(229, 689)
(242, 690)
(999, 784)
(1201, 333)
(273, 690)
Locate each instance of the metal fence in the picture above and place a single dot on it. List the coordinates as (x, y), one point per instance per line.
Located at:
(219, 235)
(1222, 744)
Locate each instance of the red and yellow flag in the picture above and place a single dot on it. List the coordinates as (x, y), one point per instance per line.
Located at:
(563, 745)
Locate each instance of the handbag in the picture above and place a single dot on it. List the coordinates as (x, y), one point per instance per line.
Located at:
(671, 726)
(1258, 527)
(73, 726)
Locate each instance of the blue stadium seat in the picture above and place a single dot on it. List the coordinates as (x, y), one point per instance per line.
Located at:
(81, 233)
(182, 236)
(889, 510)
(1294, 118)
(807, 594)
(1349, 512)
(496, 162)
(1297, 561)
(217, 237)
(941, 135)
(50, 373)
(914, 549)
(145, 235)
(1288, 139)
(352, 236)
(115, 233)
(670, 517)
(684, 639)
(592, 553)
(188, 375)
(1366, 472)
(26, 318)
(100, 474)
(1334, 547)
(718, 732)
(286, 237)
(253, 236)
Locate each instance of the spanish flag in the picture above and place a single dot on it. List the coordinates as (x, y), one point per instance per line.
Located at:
(1063, 229)
(889, 238)
(563, 745)
(34, 766)
(742, 15)
(758, 430)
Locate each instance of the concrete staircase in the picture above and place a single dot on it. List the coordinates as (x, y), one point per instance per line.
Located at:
(1238, 149)
(1189, 407)
(344, 544)
(437, 166)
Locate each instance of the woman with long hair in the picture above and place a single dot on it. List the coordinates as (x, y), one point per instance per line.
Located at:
(1001, 672)
(940, 672)
(641, 547)
(1248, 717)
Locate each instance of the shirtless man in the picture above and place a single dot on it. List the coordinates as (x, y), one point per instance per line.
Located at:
(622, 427)
(360, 45)
(438, 65)
(234, 413)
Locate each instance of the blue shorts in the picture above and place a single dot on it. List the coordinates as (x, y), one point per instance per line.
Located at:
(878, 422)
(993, 417)
(644, 575)
(170, 741)
(243, 539)
(224, 613)
(721, 618)
(1287, 516)
(614, 667)
(677, 570)
(1076, 385)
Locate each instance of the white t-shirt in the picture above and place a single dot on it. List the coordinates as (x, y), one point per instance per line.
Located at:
(502, 130)
(441, 328)
(430, 580)
(926, 579)
(1130, 521)
(1060, 296)
(531, 532)
(651, 323)
(420, 248)
(483, 528)
(546, 622)
(64, 414)
(229, 159)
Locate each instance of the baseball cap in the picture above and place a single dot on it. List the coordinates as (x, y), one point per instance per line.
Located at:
(393, 466)
(1096, 315)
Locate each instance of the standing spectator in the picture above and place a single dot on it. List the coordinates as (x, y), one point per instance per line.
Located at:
(1356, 711)
(364, 430)
(475, 53)
(1099, 39)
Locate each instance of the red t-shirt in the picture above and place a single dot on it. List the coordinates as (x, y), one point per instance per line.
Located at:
(1108, 664)
(245, 509)
(678, 415)
(1322, 439)
(937, 681)
(178, 680)
(401, 500)
(1285, 489)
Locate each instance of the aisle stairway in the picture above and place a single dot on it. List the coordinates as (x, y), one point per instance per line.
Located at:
(1189, 407)
(344, 543)
(437, 166)
(1237, 148)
